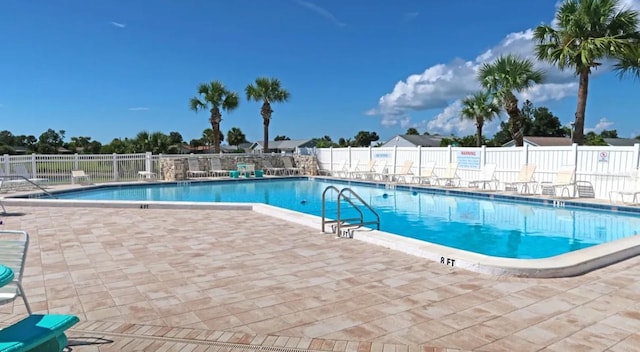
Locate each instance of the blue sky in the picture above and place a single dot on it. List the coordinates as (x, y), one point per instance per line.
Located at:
(112, 68)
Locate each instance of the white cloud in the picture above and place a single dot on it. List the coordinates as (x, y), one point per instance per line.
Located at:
(603, 124)
(321, 11)
(440, 86)
(138, 108)
(118, 24)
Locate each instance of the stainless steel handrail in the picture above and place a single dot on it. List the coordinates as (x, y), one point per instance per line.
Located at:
(339, 221)
(14, 177)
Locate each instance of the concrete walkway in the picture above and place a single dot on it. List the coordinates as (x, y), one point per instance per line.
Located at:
(214, 280)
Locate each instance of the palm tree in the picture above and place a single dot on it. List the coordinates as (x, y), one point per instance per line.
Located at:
(628, 62)
(586, 32)
(266, 90)
(504, 76)
(236, 137)
(214, 96)
(480, 107)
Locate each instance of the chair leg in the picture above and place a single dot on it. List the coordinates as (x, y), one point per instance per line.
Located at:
(24, 298)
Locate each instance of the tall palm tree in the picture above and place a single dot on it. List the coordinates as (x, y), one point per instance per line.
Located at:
(479, 107)
(586, 32)
(506, 75)
(266, 90)
(214, 96)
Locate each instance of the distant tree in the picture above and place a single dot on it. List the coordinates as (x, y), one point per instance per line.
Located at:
(426, 133)
(30, 142)
(7, 149)
(541, 122)
(236, 137)
(50, 141)
(84, 145)
(503, 77)
(609, 134)
(7, 138)
(479, 107)
(267, 91)
(325, 142)
(282, 138)
(412, 131)
(585, 33)
(214, 96)
(591, 138)
(175, 138)
(365, 138)
(344, 142)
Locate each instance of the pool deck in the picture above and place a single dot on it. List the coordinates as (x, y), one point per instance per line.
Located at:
(229, 280)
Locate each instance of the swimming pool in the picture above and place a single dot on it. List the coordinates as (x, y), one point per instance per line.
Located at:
(495, 228)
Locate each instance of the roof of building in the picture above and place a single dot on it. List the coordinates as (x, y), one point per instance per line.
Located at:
(621, 142)
(420, 139)
(543, 141)
(284, 144)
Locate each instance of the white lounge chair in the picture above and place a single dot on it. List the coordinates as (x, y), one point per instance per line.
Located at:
(290, 168)
(404, 173)
(13, 254)
(426, 173)
(450, 176)
(487, 178)
(370, 168)
(269, 169)
(563, 180)
(631, 189)
(342, 167)
(194, 168)
(352, 170)
(523, 181)
(216, 168)
(80, 176)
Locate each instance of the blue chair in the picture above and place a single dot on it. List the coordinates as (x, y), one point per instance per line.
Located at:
(43, 333)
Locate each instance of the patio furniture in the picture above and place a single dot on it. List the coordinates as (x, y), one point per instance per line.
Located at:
(426, 173)
(524, 180)
(289, 168)
(450, 175)
(37, 332)
(80, 176)
(269, 169)
(487, 177)
(194, 169)
(13, 254)
(563, 180)
(631, 189)
(216, 168)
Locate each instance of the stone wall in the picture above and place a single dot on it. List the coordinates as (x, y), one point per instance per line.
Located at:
(175, 169)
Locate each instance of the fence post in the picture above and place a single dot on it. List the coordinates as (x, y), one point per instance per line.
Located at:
(331, 160)
(115, 167)
(6, 164)
(147, 162)
(76, 166)
(483, 156)
(525, 154)
(419, 160)
(636, 156)
(450, 152)
(370, 155)
(395, 155)
(349, 155)
(574, 156)
(34, 171)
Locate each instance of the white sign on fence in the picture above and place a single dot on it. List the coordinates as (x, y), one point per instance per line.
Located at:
(603, 157)
(469, 159)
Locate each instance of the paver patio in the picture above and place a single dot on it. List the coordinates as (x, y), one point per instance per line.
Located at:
(213, 280)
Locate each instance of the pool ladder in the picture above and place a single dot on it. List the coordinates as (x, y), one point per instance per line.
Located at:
(346, 227)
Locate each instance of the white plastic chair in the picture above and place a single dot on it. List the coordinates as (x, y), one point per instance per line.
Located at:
(13, 254)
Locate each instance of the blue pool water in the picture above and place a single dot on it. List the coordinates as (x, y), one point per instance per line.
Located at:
(491, 227)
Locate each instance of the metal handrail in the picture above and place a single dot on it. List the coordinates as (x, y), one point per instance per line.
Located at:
(13, 177)
(339, 221)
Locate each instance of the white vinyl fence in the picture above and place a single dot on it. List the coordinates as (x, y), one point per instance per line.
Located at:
(605, 168)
